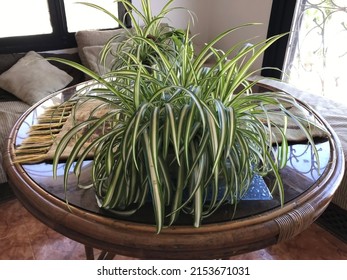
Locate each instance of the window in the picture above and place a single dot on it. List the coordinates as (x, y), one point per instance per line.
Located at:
(21, 22)
(280, 22)
(51, 24)
(89, 18)
(316, 59)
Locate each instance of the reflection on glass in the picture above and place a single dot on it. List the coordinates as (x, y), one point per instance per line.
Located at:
(32, 118)
(302, 159)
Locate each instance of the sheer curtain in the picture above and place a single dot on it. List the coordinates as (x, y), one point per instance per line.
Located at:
(316, 59)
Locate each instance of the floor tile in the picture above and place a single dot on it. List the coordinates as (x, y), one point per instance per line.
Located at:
(23, 237)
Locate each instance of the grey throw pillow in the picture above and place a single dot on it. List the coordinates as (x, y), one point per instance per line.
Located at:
(33, 78)
(87, 38)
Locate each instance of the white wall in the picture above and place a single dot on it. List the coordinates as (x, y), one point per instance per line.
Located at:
(214, 17)
(200, 25)
(180, 18)
(227, 14)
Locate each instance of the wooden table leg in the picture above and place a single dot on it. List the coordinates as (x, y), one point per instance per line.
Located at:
(89, 252)
(104, 255)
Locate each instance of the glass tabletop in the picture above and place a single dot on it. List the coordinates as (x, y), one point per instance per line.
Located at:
(301, 173)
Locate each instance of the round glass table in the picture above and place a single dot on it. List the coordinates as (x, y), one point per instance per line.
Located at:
(257, 223)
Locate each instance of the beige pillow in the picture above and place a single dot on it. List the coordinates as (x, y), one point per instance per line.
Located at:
(92, 55)
(87, 38)
(33, 78)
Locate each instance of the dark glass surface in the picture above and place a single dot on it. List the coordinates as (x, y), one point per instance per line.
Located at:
(300, 174)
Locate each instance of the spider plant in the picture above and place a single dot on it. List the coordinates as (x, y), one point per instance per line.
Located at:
(145, 25)
(175, 130)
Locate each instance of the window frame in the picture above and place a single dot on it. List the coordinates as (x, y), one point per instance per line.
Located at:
(281, 18)
(60, 38)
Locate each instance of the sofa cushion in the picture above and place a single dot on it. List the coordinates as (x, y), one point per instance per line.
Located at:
(8, 60)
(9, 114)
(77, 75)
(92, 55)
(87, 38)
(6, 96)
(33, 78)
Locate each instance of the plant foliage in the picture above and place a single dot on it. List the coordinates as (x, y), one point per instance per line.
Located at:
(176, 130)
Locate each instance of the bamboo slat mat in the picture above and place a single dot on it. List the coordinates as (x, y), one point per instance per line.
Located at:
(44, 136)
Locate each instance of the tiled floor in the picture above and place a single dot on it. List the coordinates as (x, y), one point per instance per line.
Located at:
(22, 237)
